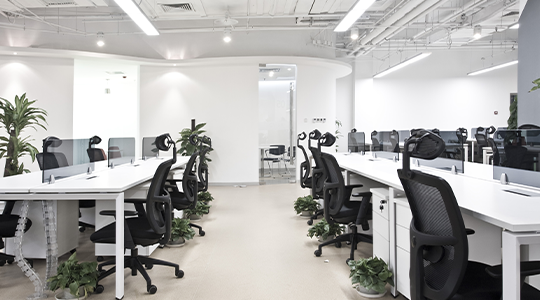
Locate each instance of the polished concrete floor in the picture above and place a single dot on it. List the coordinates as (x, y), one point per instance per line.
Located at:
(255, 247)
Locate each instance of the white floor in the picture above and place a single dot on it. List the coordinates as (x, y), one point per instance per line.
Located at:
(255, 248)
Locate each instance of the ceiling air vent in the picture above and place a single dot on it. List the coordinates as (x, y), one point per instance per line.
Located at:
(177, 7)
(267, 70)
(59, 3)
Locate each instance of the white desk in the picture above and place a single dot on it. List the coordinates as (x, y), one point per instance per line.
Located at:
(107, 184)
(484, 199)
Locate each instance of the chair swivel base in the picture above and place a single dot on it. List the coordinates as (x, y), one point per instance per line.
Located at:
(201, 231)
(83, 226)
(135, 263)
(317, 213)
(354, 238)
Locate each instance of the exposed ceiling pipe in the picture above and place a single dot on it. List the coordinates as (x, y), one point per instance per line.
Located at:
(399, 25)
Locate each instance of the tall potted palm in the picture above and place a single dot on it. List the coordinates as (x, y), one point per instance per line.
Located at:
(15, 118)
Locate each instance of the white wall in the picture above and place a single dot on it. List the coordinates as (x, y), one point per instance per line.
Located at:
(224, 94)
(435, 93)
(50, 81)
(345, 108)
(106, 115)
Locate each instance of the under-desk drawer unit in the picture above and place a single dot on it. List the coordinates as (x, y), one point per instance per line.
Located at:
(403, 265)
(380, 225)
(403, 213)
(381, 247)
(379, 201)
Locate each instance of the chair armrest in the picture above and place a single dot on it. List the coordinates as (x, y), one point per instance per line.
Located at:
(528, 268)
(127, 213)
(173, 180)
(469, 231)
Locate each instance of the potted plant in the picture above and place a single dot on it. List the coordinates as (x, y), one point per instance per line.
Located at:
(15, 119)
(75, 279)
(186, 148)
(370, 276)
(180, 232)
(324, 231)
(197, 212)
(205, 197)
(306, 205)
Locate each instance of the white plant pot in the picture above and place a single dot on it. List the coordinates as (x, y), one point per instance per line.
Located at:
(180, 242)
(194, 217)
(65, 294)
(370, 294)
(329, 238)
(306, 214)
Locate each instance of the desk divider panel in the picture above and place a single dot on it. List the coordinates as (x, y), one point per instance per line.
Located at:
(356, 141)
(149, 148)
(386, 144)
(453, 155)
(65, 158)
(121, 150)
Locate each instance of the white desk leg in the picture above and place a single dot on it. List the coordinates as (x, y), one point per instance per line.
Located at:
(120, 246)
(511, 268)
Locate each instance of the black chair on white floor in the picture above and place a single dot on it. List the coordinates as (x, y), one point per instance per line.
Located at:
(305, 166)
(146, 227)
(338, 207)
(8, 228)
(439, 265)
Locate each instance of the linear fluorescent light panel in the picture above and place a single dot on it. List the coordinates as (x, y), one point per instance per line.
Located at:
(136, 14)
(358, 9)
(493, 68)
(403, 64)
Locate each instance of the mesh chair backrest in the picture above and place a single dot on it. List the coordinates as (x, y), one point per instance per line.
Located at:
(394, 141)
(334, 179)
(47, 161)
(158, 202)
(319, 166)
(189, 180)
(202, 169)
(496, 156)
(515, 154)
(304, 167)
(436, 271)
(96, 154)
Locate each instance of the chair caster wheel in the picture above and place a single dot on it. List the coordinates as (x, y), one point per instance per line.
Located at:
(318, 252)
(348, 242)
(10, 261)
(152, 289)
(72, 251)
(149, 266)
(99, 289)
(100, 258)
(2, 262)
(310, 222)
(202, 233)
(82, 228)
(347, 261)
(179, 274)
(338, 244)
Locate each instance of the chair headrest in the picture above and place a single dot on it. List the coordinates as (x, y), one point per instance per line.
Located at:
(479, 129)
(193, 139)
(95, 140)
(302, 136)
(51, 141)
(315, 135)
(424, 144)
(164, 142)
(374, 133)
(206, 140)
(327, 139)
(491, 130)
(353, 130)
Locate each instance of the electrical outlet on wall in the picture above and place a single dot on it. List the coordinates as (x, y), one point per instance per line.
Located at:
(319, 120)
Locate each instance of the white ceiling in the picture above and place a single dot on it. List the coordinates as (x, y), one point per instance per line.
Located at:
(388, 25)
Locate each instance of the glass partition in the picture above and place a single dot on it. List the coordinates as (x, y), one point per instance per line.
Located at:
(517, 149)
(121, 150)
(386, 144)
(149, 147)
(403, 135)
(453, 154)
(356, 141)
(64, 158)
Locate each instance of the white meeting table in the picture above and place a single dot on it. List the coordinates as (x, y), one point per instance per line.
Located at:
(485, 199)
(105, 184)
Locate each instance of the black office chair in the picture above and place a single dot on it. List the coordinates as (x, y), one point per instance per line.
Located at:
(144, 227)
(375, 145)
(528, 126)
(8, 228)
(187, 198)
(202, 168)
(305, 166)
(318, 173)
(496, 158)
(439, 266)
(277, 152)
(481, 142)
(394, 141)
(338, 208)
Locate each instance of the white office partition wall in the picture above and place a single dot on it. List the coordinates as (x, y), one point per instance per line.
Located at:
(48, 80)
(223, 93)
(435, 93)
(106, 100)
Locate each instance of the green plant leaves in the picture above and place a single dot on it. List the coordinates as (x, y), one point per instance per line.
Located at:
(324, 230)
(180, 228)
(72, 274)
(537, 85)
(199, 210)
(204, 196)
(371, 273)
(306, 203)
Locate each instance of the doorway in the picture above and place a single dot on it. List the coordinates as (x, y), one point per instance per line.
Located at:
(277, 123)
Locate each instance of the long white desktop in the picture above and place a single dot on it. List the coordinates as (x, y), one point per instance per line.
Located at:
(104, 184)
(479, 197)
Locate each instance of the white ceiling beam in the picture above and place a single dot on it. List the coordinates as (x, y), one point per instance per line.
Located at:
(260, 7)
(303, 6)
(289, 6)
(318, 6)
(252, 7)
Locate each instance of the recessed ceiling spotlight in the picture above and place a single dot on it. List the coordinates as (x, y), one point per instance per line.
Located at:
(354, 33)
(289, 69)
(174, 65)
(477, 32)
(271, 74)
(515, 26)
(227, 36)
(100, 41)
(14, 53)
